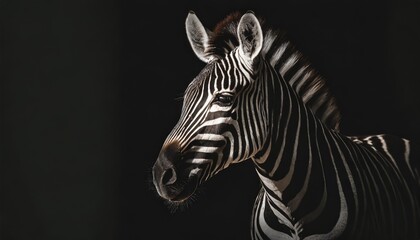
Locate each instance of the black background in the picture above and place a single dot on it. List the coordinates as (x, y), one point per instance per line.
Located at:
(89, 92)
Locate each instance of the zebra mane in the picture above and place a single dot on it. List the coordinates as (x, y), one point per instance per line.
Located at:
(288, 61)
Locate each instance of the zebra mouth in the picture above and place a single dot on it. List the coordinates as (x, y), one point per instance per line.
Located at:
(182, 189)
(175, 177)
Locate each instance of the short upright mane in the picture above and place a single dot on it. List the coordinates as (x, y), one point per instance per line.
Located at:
(288, 61)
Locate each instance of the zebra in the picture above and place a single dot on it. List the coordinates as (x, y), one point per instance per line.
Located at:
(259, 99)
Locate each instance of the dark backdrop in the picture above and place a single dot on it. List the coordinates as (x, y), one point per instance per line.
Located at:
(88, 95)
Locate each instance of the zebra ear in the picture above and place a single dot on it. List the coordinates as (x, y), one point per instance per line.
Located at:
(250, 37)
(198, 36)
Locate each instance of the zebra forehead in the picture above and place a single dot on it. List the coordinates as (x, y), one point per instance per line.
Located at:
(211, 71)
(224, 37)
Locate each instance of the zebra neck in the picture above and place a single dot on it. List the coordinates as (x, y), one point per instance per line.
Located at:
(295, 165)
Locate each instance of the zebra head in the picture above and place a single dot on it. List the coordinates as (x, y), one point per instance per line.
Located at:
(223, 119)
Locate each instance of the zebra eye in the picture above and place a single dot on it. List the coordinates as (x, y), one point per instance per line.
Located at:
(224, 99)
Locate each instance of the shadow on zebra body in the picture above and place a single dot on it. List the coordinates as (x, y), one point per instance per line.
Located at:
(258, 98)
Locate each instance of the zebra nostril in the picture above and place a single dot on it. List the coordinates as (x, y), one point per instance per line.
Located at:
(164, 173)
(169, 177)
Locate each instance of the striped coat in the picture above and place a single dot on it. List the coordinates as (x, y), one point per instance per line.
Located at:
(259, 99)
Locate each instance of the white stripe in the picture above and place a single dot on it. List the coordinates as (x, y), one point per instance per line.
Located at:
(297, 75)
(198, 161)
(407, 155)
(277, 55)
(288, 64)
(204, 149)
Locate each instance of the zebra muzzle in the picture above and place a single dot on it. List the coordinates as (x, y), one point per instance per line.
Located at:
(170, 177)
